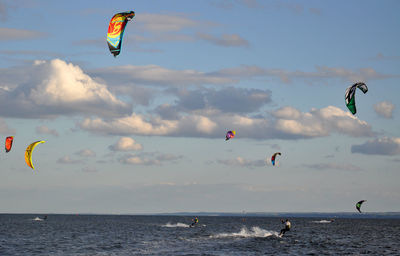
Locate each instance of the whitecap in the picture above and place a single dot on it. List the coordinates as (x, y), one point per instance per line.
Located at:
(244, 232)
(176, 225)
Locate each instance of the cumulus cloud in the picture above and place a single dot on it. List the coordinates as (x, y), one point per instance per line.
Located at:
(380, 146)
(148, 159)
(126, 144)
(240, 161)
(320, 122)
(53, 88)
(86, 153)
(68, 160)
(333, 166)
(285, 123)
(384, 109)
(46, 130)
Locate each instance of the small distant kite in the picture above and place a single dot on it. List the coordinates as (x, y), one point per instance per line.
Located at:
(358, 205)
(9, 142)
(274, 156)
(116, 30)
(350, 95)
(230, 135)
(28, 153)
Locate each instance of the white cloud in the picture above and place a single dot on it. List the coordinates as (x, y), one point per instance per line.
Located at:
(286, 123)
(86, 153)
(46, 130)
(240, 161)
(381, 146)
(384, 109)
(134, 124)
(126, 144)
(68, 160)
(53, 88)
(149, 159)
(320, 122)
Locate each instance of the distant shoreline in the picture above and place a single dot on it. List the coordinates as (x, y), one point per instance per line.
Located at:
(329, 215)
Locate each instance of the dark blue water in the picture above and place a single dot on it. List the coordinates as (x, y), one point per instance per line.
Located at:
(171, 235)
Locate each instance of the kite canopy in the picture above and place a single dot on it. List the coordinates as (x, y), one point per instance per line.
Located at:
(8, 145)
(350, 95)
(358, 205)
(274, 156)
(28, 153)
(116, 30)
(230, 135)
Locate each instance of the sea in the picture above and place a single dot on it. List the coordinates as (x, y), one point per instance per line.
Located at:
(30, 234)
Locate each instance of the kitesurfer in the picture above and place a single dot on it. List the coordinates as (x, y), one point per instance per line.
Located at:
(288, 225)
(195, 221)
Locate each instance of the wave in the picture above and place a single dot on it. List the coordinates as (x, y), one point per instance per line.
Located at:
(37, 219)
(176, 225)
(244, 232)
(322, 221)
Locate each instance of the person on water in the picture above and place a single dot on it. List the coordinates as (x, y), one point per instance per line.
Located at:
(195, 221)
(288, 225)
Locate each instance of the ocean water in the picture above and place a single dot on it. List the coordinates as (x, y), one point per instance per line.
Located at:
(22, 234)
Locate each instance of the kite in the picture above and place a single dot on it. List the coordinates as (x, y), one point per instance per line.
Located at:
(9, 141)
(274, 156)
(116, 30)
(350, 95)
(358, 205)
(230, 135)
(28, 152)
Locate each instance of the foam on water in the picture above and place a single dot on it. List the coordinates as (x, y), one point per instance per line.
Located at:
(37, 219)
(244, 232)
(322, 221)
(176, 225)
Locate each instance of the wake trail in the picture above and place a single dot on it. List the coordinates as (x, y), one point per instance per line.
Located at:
(244, 232)
(176, 225)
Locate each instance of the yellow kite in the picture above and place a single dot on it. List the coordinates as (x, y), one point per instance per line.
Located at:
(28, 152)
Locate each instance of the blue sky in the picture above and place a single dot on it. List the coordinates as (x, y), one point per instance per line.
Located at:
(144, 132)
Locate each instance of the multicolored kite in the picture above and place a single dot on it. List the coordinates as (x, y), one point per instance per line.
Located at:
(230, 135)
(273, 157)
(9, 142)
(116, 30)
(350, 95)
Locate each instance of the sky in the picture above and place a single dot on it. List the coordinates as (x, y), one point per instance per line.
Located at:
(144, 132)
